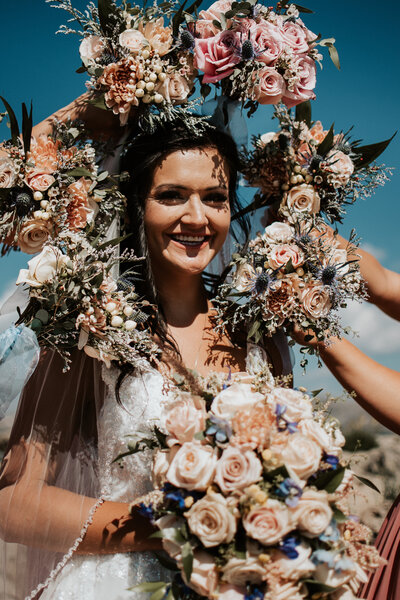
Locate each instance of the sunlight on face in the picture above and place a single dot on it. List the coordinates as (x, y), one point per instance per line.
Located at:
(187, 213)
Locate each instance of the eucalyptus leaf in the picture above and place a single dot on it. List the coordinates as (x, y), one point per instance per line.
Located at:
(26, 127)
(150, 586)
(159, 594)
(315, 393)
(178, 19)
(253, 329)
(338, 515)
(43, 316)
(187, 559)
(36, 325)
(333, 53)
(79, 172)
(367, 482)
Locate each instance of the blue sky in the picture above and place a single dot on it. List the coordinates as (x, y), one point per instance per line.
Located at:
(39, 65)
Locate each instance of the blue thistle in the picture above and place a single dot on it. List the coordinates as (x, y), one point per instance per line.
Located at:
(186, 40)
(328, 275)
(247, 51)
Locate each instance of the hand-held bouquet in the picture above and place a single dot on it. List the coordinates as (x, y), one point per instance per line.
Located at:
(250, 495)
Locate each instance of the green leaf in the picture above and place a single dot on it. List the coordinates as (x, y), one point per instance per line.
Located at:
(79, 172)
(187, 559)
(333, 53)
(368, 482)
(330, 480)
(43, 316)
(106, 8)
(169, 533)
(338, 515)
(303, 9)
(253, 329)
(98, 101)
(316, 586)
(26, 127)
(315, 393)
(36, 325)
(81, 69)
(303, 112)
(178, 19)
(13, 120)
(150, 586)
(327, 143)
(370, 152)
(159, 594)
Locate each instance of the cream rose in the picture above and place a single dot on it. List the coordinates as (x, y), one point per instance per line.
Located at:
(8, 176)
(283, 253)
(193, 466)
(238, 396)
(160, 466)
(211, 520)
(286, 590)
(240, 571)
(268, 523)
(278, 232)
(314, 431)
(160, 37)
(301, 455)
(244, 277)
(313, 513)
(298, 405)
(133, 40)
(231, 592)
(295, 568)
(339, 257)
(33, 235)
(302, 198)
(339, 165)
(266, 138)
(184, 419)
(237, 469)
(91, 47)
(175, 88)
(43, 267)
(316, 301)
(204, 578)
(39, 182)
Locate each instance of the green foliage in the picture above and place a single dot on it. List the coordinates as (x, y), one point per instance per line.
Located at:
(367, 154)
(303, 112)
(330, 480)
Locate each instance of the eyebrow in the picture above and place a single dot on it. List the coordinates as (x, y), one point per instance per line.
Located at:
(171, 186)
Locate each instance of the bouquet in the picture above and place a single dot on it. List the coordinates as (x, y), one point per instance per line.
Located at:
(308, 171)
(51, 184)
(291, 275)
(250, 494)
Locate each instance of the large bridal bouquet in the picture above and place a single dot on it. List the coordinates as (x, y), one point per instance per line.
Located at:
(250, 495)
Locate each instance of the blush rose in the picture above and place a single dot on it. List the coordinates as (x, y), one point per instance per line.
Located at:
(211, 520)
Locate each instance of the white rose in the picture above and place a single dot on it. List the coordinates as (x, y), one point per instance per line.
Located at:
(238, 396)
(329, 576)
(286, 590)
(298, 405)
(33, 235)
(175, 88)
(337, 441)
(240, 571)
(133, 40)
(170, 546)
(316, 301)
(244, 278)
(268, 523)
(301, 455)
(160, 466)
(295, 568)
(204, 576)
(339, 257)
(266, 138)
(184, 419)
(211, 520)
(278, 233)
(316, 432)
(231, 592)
(236, 469)
(313, 513)
(193, 466)
(91, 47)
(302, 198)
(8, 176)
(43, 267)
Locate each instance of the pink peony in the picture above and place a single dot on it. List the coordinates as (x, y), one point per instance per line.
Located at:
(216, 56)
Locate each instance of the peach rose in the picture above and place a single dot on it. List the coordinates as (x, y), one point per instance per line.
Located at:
(133, 40)
(215, 10)
(283, 253)
(33, 235)
(316, 432)
(313, 513)
(278, 232)
(301, 455)
(268, 523)
(175, 88)
(184, 418)
(80, 212)
(270, 86)
(317, 132)
(44, 154)
(298, 405)
(204, 578)
(316, 301)
(302, 198)
(286, 590)
(193, 466)
(8, 176)
(211, 520)
(91, 47)
(339, 165)
(236, 469)
(160, 37)
(244, 277)
(39, 182)
(295, 568)
(237, 396)
(160, 466)
(43, 267)
(241, 571)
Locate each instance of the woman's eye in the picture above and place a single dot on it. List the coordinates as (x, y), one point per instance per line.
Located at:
(170, 196)
(216, 198)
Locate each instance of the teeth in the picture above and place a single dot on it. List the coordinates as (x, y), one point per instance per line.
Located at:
(190, 238)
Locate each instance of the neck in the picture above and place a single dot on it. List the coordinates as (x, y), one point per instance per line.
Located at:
(182, 299)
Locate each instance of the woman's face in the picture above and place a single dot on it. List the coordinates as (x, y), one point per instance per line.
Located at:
(187, 212)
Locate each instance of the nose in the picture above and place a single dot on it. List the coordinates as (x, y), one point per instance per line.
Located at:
(195, 212)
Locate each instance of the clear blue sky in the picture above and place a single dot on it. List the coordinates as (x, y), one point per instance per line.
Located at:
(38, 65)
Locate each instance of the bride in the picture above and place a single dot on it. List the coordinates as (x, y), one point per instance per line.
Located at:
(64, 504)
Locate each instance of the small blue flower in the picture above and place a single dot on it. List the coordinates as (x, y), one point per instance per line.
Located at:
(320, 557)
(254, 594)
(146, 510)
(177, 497)
(343, 564)
(288, 546)
(289, 490)
(331, 460)
(220, 428)
(280, 410)
(331, 533)
(283, 423)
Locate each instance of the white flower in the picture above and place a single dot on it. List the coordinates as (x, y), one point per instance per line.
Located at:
(43, 267)
(185, 417)
(171, 547)
(329, 576)
(313, 513)
(231, 592)
(238, 396)
(244, 277)
(302, 198)
(211, 520)
(193, 466)
(278, 233)
(91, 47)
(204, 576)
(266, 138)
(300, 454)
(133, 40)
(298, 405)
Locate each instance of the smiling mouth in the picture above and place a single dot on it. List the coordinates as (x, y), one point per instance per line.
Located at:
(190, 240)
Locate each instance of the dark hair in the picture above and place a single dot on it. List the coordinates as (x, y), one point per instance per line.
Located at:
(140, 159)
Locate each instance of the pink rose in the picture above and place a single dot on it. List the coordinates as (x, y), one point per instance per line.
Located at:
(192, 467)
(215, 10)
(91, 47)
(211, 520)
(283, 253)
(133, 40)
(185, 418)
(295, 36)
(8, 175)
(238, 396)
(316, 301)
(240, 571)
(303, 90)
(204, 578)
(270, 86)
(217, 56)
(313, 513)
(205, 28)
(39, 182)
(236, 469)
(268, 523)
(33, 235)
(267, 40)
(340, 166)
